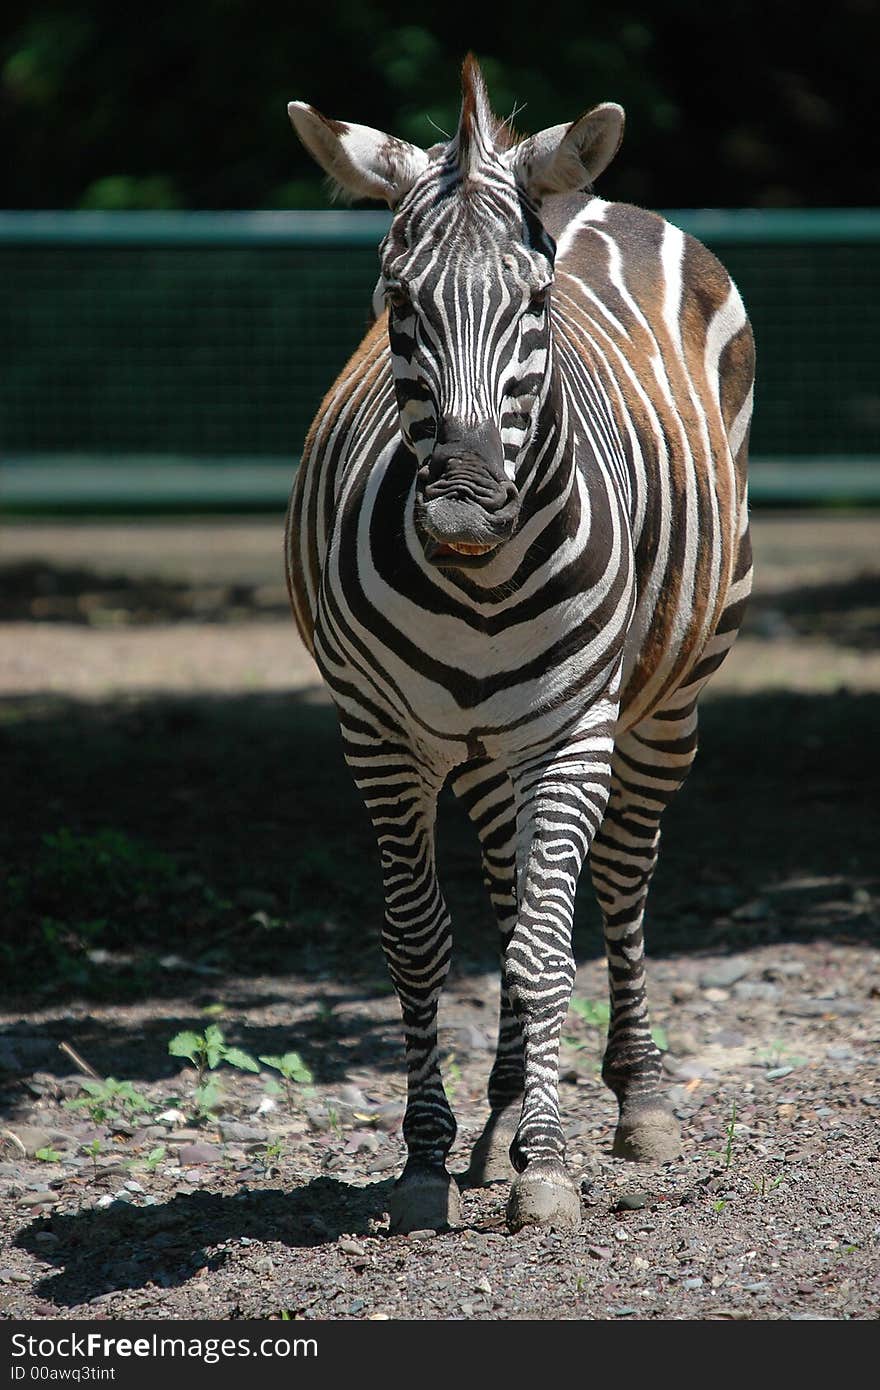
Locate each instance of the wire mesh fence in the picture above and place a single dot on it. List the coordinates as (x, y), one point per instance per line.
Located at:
(214, 336)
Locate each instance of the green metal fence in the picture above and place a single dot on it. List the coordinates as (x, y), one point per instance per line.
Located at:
(153, 357)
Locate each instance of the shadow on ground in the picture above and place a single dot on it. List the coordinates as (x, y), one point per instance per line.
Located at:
(844, 612)
(128, 1247)
(246, 855)
(34, 590)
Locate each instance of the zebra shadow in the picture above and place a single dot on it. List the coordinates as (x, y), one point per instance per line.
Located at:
(164, 1246)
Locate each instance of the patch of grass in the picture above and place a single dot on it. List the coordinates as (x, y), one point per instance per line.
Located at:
(79, 896)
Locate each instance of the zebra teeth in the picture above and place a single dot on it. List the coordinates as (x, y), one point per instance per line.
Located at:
(469, 547)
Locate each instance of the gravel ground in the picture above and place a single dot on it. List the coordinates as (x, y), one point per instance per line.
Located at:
(151, 682)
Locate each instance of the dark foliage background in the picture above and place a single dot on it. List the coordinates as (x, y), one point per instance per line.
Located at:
(183, 105)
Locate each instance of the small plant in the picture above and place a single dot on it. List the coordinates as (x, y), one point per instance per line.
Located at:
(453, 1076)
(206, 1099)
(719, 1205)
(727, 1156)
(91, 1151)
(731, 1130)
(110, 1100)
(762, 1186)
(154, 1157)
(595, 1012)
(779, 1054)
(293, 1069)
(207, 1051)
(48, 1155)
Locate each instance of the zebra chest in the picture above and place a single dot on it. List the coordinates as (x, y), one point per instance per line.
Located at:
(444, 676)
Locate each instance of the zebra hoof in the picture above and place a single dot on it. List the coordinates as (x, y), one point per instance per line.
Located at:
(490, 1156)
(544, 1197)
(424, 1201)
(647, 1134)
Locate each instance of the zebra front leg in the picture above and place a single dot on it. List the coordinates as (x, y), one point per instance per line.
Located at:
(559, 808)
(484, 789)
(417, 942)
(649, 765)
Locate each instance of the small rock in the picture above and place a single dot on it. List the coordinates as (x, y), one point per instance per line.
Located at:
(695, 1283)
(34, 1137)
(776, 1073)
(682, 1043)
(353, 1096)
(362, 1141)
(633, 1201)
(233, 1131)
(747, 990)
(723, 973)
(600, 1252)
(350, 1247)
(389, 1117)
(37, 1199)
(191, 1154)
(172, 1117)
(716, 995)
(683, 992)
(784, 969)
(422, 1235)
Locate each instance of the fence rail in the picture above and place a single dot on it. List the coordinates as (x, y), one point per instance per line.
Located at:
(172, 358)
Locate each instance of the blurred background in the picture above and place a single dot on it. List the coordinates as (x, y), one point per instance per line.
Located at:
(177, 295)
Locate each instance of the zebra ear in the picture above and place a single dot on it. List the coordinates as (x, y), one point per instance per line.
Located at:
(363, 163)
(564, 158)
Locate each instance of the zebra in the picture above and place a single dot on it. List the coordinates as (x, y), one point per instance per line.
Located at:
(517, 546)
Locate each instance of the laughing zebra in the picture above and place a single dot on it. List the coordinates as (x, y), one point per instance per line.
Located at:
(518, 547)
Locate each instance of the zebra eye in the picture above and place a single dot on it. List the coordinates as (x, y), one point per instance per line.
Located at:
(540, 296)
(396, 297)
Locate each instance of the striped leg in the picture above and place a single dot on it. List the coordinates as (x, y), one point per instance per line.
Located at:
(417, 942)
(560, 803)
(484, 790)
(649, 765)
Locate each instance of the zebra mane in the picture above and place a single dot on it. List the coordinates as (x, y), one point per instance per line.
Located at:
(481, 136)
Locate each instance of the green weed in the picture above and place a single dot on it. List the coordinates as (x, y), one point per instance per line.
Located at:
(294, 1071)
(110, 1100)
(207, 1051)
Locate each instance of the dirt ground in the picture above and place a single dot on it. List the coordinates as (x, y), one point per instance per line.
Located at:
(184, 851)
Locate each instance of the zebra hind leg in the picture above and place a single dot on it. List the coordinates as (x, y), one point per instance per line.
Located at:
(648, 767)
(484, 789)
(417, 941)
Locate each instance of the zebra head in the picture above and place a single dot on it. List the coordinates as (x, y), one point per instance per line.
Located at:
(466, 273)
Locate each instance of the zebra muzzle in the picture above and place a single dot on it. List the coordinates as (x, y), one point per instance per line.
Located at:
(466, 506)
